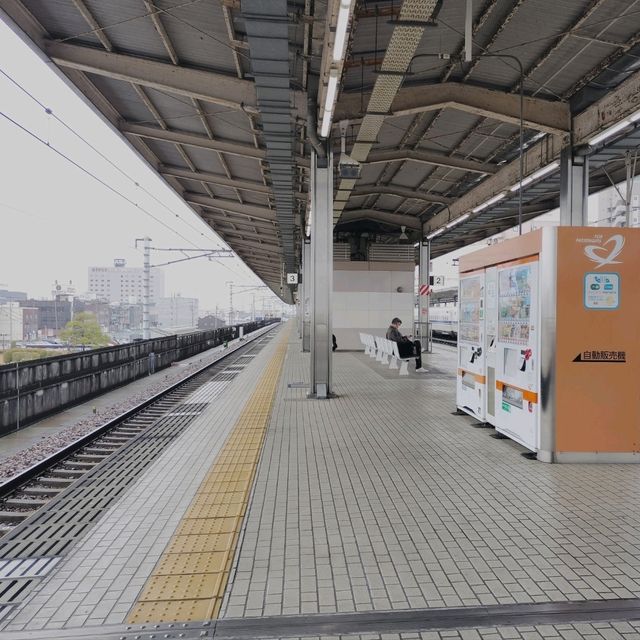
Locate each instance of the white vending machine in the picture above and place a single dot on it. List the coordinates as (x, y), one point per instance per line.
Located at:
(471, 375)
(491, 339)
(517, 352)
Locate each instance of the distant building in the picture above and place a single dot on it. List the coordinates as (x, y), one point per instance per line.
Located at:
(53, 315)
(10, 323)
(176, 312)
(125, 318)
(122, 284)
(30, 320)
(99, 308)
(12, 296)
(210, 322)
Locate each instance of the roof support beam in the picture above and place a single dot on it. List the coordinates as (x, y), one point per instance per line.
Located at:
(208, 86)
(612, 108)
(234, 224)
(213, 178)
(431, 158)
(223, 181)
(539, 114)
(397, 219)
(368, 190)
(267, 248)
(232, 206)
(192, 140)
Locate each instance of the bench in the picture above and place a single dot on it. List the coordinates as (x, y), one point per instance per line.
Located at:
(385, 351)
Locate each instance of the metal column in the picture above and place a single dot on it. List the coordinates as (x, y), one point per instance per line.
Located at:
(574, 189)
(424, 273)
(322, 276)
(307, 289)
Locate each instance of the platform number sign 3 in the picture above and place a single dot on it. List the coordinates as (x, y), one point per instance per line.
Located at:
(292, 278)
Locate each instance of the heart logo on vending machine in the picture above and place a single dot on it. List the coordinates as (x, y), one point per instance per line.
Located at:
(598, 253)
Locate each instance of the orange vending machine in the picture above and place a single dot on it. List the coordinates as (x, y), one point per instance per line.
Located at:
(562, 341)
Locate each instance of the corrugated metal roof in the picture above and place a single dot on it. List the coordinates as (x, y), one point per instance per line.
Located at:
(198, 34)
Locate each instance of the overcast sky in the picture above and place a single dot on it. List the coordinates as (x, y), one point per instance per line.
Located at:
(56, 220)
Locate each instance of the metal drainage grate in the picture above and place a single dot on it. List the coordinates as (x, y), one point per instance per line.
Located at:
(12, 591)
(228, 375)
(27, 567)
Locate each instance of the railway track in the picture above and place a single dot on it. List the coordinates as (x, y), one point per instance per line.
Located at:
(28, 491)
(449, 343)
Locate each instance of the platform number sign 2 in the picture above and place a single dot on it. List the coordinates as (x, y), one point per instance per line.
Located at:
(292, 278)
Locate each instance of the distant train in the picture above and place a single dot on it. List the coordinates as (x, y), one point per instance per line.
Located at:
(443, 313)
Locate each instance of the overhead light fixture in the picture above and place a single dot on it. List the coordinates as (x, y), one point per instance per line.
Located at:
(435, 233)
(550, 168)
(489, 202)
(457, 221)
(616, 128)
(340, 39)
(332, 88)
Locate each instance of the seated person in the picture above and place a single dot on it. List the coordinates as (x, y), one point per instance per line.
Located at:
(406, 347)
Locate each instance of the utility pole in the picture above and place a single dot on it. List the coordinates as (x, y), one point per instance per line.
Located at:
(146, 283)
(211, 254)
(230, 283)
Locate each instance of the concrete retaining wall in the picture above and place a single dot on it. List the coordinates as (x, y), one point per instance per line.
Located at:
(33, 389)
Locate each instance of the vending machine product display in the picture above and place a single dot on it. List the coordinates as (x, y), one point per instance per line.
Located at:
(471, 379)
(517, 352)
(559, 339)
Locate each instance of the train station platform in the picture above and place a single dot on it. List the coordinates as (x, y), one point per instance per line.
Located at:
(377, 514)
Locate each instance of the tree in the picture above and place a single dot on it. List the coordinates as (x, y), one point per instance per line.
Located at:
(84, 331)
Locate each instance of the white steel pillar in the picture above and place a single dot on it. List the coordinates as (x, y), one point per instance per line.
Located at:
(424, 273)
(322, 276)
(574, 189)
(307, 289)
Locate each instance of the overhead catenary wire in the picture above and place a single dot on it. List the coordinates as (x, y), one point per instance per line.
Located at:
(125, 21)
(50, 113)
(69, 128)
(90, 173)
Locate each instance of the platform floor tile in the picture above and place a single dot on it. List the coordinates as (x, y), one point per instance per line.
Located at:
(381, 499)
(98, 582)
(595, 631)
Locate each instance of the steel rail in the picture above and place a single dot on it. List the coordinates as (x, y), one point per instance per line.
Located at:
(27, 475)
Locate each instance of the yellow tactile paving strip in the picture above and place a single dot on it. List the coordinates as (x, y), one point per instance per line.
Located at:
(190, 579)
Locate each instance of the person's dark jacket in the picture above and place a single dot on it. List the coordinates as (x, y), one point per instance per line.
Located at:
(394, 335)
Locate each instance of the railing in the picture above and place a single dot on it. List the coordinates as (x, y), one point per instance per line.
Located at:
(424, 332)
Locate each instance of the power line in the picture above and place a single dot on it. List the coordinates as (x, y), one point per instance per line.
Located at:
(50, 112)
(89, 173)
(117, 24)
(69, 128)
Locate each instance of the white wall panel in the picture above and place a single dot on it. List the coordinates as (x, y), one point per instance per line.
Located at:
(365, 300)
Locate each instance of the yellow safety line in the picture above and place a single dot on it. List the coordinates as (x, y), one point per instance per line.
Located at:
(190, 579)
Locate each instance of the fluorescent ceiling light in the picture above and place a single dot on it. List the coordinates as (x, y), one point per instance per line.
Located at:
(489, 202)
(416, 245)
(550, 168)
(340, 39)
(435, 233)
(616, 128)
(332, 88)
(453, 223)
